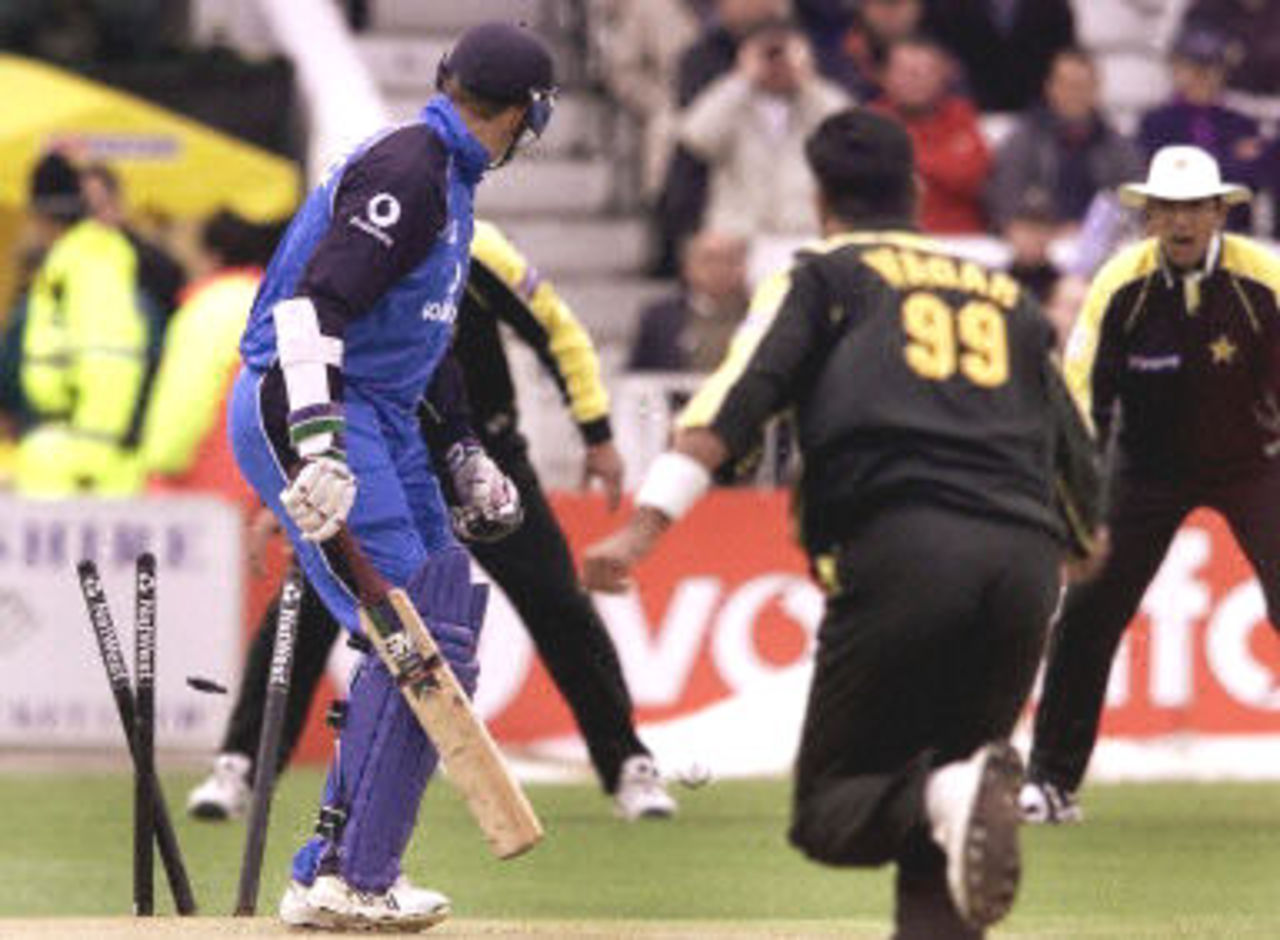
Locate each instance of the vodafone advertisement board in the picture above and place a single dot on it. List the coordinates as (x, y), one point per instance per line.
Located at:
(716, 643)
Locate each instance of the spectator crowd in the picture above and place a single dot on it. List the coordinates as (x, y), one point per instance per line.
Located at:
(1004, 105)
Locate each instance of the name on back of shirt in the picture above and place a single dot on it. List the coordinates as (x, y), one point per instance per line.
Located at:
(912, 270)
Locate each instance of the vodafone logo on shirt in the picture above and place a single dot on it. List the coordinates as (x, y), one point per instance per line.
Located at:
(445, 311)
(383, 210)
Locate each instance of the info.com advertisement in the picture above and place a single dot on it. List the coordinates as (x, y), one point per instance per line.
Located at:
(716, 644)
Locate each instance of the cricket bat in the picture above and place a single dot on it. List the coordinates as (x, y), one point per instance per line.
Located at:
(474, 764)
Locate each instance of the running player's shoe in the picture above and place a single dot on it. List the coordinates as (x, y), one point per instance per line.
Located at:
(973, 810)
(641, 794)
(1048, 804)
(225, 793)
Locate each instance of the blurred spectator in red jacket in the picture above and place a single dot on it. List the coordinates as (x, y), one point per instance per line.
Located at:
(1064, 149)
(951, 153)
(690, 331)
(1005, 46)
(1254, 28)
(184, 443)
(1200, 59)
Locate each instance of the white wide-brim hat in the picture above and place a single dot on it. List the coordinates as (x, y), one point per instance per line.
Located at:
(1182, 174)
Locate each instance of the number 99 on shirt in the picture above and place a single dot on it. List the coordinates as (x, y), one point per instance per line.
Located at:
(942, 340)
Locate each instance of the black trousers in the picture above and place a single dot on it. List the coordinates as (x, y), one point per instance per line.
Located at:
(1144, 516)
(927, 651)
(535, 568)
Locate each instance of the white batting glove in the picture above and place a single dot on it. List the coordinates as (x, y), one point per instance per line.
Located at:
(487, 502)
(320, 497)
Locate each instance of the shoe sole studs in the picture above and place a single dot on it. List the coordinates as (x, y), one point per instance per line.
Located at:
(323, 920)
(993, 864)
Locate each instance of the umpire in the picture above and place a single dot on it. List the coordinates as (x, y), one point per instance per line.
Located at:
(532, 565)
(1175, 356)
(928, 413)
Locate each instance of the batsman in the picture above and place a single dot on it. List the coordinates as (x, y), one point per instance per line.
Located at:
(353, 318)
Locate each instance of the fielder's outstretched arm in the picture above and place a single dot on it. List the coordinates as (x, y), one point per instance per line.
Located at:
(758, 378)
(674, 482)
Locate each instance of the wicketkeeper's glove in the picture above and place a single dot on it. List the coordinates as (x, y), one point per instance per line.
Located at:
(487, 504)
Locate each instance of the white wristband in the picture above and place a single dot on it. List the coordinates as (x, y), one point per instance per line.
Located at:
(673, 483)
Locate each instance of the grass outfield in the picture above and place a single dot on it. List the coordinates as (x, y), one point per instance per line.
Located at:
(1158, 861)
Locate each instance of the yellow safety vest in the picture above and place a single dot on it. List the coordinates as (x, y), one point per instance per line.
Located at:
(201, 350)
(83, 363)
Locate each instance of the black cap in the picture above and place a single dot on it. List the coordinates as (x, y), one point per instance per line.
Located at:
(501, 62)
(1203, 45)
(861, 152)
(55, 188)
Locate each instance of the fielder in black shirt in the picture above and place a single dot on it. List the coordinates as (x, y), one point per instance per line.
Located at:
(945, 471)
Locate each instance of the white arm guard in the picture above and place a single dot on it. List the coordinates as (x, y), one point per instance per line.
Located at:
(306, 355)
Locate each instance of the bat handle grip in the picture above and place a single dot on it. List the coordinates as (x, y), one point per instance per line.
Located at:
(371, 586)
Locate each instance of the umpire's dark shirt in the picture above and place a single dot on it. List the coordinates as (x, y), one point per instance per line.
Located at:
(1185, 368)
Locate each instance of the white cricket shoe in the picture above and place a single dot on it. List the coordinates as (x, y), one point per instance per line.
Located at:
(225, 793)
(1048, 804)
(294, 909)
(332, 904)
(641, 794)
(972, 807)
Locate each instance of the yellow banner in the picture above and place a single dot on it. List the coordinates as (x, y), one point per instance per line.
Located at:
(167, 163)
